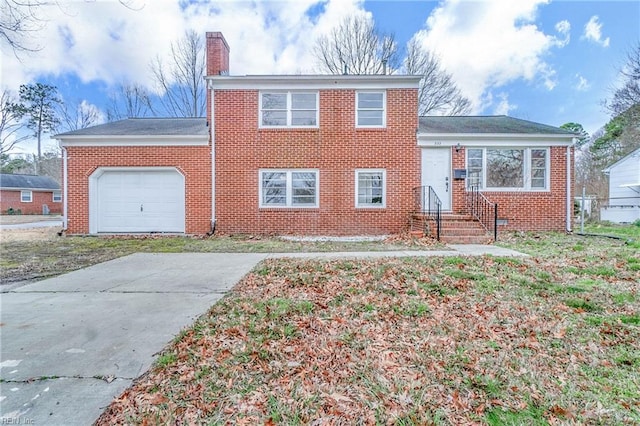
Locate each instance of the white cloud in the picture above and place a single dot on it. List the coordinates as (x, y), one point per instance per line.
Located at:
(593, 32)
(582, 83)
(487, 45)
(503, 107)
(106, 41)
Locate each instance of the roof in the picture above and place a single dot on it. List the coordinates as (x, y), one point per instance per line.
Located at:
(144, 127)
(317, 81)
(27, 182)
(634, 153)
(496, 124)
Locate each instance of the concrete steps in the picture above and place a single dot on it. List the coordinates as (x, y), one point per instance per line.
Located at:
(454, 228)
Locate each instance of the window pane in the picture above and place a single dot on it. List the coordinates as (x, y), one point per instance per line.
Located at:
(303, 118)
(274, 188)
(274, 118)
(370, 188)
(538, 168)
(274, 101)
(303, 101)
(25, 196)
(369, 118)
(505, 168)
(474, 168)
(304, 188)
(370, 100)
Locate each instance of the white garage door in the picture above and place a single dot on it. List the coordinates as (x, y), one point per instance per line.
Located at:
(140, 201)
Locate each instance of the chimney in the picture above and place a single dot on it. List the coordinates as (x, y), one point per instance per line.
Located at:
(217, 54)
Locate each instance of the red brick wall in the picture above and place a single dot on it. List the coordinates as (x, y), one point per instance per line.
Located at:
(11, 199)
(526, 211)
(336, 149)
(194, 162)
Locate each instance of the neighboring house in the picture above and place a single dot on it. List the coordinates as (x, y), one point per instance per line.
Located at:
(624, 190)
(307, 154)
(29, 194)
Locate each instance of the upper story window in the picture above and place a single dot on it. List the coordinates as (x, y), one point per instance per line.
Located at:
(288, 188)
(371, 109)
(508, 168)
(26, 196)
(288, 109)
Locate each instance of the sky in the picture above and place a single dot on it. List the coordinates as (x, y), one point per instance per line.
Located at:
(548, 61)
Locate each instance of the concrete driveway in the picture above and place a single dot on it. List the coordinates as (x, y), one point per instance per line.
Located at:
(70, 344)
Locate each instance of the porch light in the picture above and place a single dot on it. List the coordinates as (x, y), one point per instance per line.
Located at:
(458, 147)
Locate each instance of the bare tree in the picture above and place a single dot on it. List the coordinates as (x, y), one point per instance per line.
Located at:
(356, 46)
(182, 80)
(18, 19)
(130, 100)
(11, 124)
(79, 116)
(627, 96)
(438, 93)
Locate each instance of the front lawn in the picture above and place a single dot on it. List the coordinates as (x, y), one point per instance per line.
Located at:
(550, 339)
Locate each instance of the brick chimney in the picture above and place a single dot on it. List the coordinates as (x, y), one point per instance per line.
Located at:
(217, 54)
(217, 62)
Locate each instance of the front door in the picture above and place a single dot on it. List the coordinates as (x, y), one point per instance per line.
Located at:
(436, 172)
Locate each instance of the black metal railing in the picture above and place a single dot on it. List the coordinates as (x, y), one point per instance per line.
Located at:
(483, 210)
(428, 203)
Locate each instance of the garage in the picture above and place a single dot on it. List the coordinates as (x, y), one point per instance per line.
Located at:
(137, 200)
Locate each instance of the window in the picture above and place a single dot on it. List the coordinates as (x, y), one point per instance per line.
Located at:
(508, 168)
(26, 196)
(370, 188)
(57, 196)
(370, 109)
(289, 109)
(288, 188)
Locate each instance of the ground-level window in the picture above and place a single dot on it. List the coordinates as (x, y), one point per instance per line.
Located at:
(57, 196)
(26, 196)
(498, 168)
(371, 188)
(288, 188)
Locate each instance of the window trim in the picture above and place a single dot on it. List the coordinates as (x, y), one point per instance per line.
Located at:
(383, 205)
(528, 169)
(289, 109)
(288, 189)
(58, 198)
(384, 110)
(26, 192)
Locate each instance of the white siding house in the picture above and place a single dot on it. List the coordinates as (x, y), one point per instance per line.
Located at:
(624, 190)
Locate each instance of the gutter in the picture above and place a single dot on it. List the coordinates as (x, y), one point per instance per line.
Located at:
(568, 189)
(65, 189)
(212, 132)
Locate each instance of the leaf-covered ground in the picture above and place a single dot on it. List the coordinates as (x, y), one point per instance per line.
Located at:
(551, 339)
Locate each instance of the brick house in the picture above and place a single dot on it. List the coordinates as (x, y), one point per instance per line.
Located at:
(29, 194)
(304, 154)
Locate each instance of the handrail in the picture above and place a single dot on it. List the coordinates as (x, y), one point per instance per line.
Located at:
(483, 210)
(428, 203)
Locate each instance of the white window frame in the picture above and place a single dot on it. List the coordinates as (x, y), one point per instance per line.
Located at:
(289, 109)
(288, 189)
(56, 196)
(528, 169)
(384, 110)
(360, 205)
(26, 196)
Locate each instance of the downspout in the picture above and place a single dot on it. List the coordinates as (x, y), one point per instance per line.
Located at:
(212, 124)
(568, 188)
(65, 188)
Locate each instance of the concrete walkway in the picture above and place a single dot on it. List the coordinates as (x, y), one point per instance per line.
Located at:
(70, 344)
